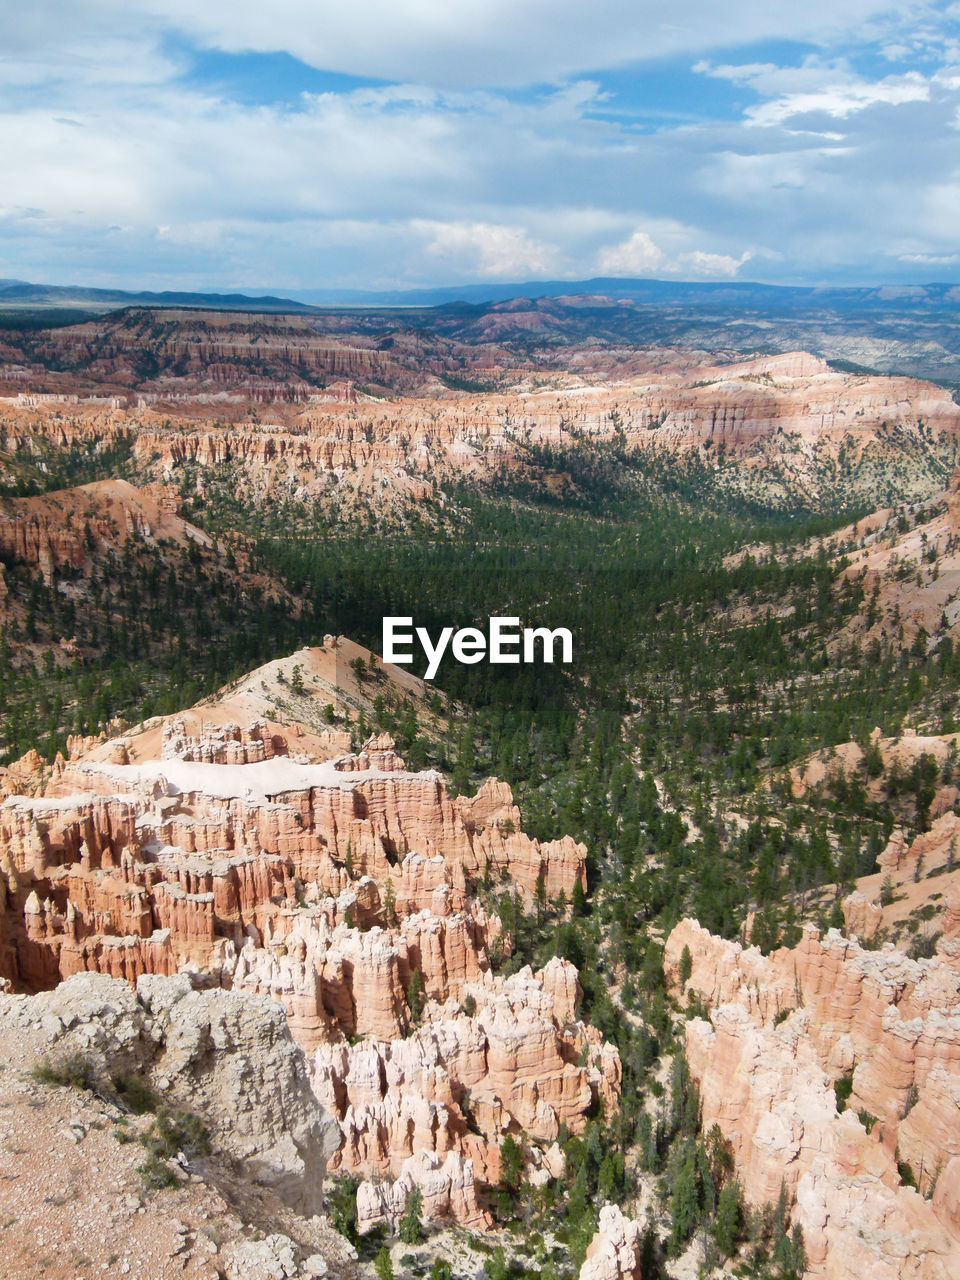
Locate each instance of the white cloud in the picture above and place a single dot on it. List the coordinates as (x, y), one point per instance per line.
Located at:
(702, 264)
(638, 256)
(473, 42)
(842, 100)
(931, 259)
(485, 249)
(117, 164)
(816, 87)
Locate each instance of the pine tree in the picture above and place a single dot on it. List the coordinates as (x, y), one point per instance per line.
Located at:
(415, 995)
(727, 1225)
(686, 1203)
(685, 968)
(511, 1163)
(389, 903)
(411, 1225)
(579, 906)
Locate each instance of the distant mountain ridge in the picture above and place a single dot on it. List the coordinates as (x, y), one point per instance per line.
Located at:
(16, 294)
(905, 329)
(658, 292)
(22, 295)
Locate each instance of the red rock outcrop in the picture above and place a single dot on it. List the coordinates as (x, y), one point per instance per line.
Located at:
(448, 1187)
(889, 1022)
(459, 1084)
(221, 744)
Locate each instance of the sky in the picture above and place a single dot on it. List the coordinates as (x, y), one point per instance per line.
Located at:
(300, 144)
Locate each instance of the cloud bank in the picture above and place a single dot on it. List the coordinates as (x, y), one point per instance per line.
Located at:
(303, 145)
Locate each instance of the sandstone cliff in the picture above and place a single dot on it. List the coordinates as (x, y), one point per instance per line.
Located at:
(783, 1029)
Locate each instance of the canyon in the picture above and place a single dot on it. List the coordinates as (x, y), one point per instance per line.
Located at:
(777, 426)
(430, 977)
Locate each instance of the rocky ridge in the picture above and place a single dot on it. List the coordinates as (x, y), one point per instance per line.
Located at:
(784, 421)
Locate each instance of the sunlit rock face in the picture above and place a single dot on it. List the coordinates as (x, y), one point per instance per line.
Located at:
(782, 1030)
(614, 1253)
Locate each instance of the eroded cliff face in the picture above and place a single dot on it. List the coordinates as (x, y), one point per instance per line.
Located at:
(784, 420)
(783, 1029)
(452, 1090)
(177, 352)
(337, 889)
(64, 532)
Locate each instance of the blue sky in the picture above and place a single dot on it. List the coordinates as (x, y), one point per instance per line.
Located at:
(390, 143)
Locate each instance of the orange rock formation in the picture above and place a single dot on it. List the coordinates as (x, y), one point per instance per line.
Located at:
(614, 1252)
(327, 887)
(785, 414)
(768, 1083)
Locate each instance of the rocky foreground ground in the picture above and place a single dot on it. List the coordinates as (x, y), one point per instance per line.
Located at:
(80, 1195)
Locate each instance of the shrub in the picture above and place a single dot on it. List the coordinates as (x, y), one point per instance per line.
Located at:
(343, 1207)
(867, 1120)
(75, 1072)
(134, 1094)
(843, 1088)
(175, 1131)
(156, 1174)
